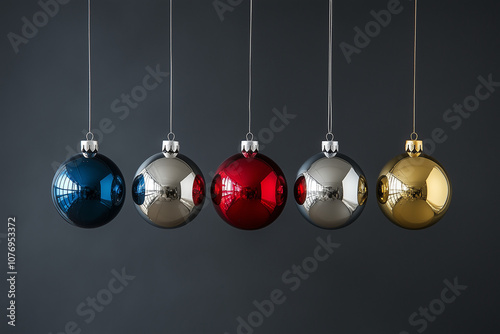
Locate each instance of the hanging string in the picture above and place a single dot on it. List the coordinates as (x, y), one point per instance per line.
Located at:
(90, 135)
(329, 135)
(414, 134)
(171, 135)
(250, 134)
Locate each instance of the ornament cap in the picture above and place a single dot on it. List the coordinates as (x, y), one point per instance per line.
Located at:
(330, 148)
(170, 148)
(414, 148)
(249, 148)
(89, 148)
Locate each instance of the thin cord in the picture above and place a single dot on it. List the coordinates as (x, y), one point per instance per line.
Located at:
(171, 75)
(250, 75)
(90, 71)
(330, 70)
(415, 70)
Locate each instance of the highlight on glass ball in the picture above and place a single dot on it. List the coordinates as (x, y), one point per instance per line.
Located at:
(249, 189)
(331, 189)
(413, 189)
(168, 189)
(88, 190)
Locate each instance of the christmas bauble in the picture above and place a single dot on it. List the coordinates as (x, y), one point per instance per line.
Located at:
(168, 190)
(330, 190)
(413, 189)
(249, 191)
(88, 191)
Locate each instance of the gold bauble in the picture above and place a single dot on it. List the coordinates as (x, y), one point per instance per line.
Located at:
(413, 189)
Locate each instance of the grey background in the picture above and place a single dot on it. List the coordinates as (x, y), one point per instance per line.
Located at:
(200, 278)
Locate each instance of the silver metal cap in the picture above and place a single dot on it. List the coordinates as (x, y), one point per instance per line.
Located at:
(249, 148)
(89, 148)
(170, 148)
(330, 148)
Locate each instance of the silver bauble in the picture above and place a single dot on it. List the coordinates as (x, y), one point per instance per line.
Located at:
(168, 190)
(330, 190)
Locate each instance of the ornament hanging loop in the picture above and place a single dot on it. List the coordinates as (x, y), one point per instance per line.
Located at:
(414, 136)
(249, 136)
(170, 147)
(329, 146)
(89, 136)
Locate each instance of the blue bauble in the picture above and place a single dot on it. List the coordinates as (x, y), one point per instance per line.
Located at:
(88, 192)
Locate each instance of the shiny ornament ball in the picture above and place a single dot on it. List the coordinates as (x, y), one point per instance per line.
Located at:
(414, 192)
(168, 192)
(330, 192)
(88, 192)
(249, 191)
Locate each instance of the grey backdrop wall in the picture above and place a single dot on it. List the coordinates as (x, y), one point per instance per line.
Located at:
(203, 277)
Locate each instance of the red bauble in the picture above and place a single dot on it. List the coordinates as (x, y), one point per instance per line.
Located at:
(249, 192)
